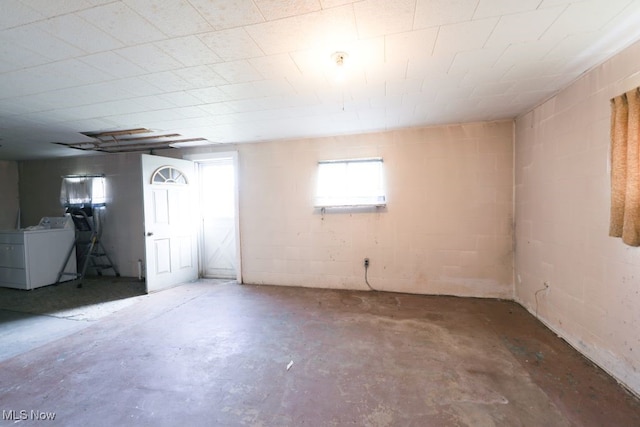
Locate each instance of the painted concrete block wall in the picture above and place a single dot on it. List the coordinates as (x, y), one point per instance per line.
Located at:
(123, 220)
(9, 199)
(447, 228)
(562, 214)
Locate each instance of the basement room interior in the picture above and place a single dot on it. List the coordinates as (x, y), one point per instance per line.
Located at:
(321, 212)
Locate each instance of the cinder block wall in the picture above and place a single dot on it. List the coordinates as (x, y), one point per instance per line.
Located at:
(562, 219)
(447, 228)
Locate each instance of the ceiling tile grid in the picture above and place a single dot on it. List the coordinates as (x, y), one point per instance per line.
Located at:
(252, 70)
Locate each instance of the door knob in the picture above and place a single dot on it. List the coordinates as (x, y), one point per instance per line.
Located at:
(149, 233)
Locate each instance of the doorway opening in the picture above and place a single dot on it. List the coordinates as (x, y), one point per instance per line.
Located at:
(219, 242)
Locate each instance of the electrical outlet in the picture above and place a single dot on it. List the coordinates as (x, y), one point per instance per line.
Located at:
(366, 262)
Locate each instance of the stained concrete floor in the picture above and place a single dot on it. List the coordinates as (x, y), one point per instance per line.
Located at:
(217, 354)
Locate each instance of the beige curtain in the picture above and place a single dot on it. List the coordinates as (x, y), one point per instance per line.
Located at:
(625, 167)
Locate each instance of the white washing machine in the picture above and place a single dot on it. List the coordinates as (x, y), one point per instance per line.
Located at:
(32, 257)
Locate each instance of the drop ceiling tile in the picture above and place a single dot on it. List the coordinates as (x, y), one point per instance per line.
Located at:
(201, 76)
(523, 27)
(410, 44)
(464, 36)
(129, 87)
(278, 9)
(380, 17)
(40, 42)
(327, 30)
(491, 8)
(113, 64)
(50, 8)
(327, 4)
(403, 86)
(121, 22)
(592, 17)
(149, 57)
(70, 28)
(158, 102)
(276, 66)
(469, 60)
(254, 90)
(492, 89)
(167, 81)
(223, 14)
(208, 95)
(420, 67)
(232, 44)
(189, 50)
(172, 17)
(180, 99)
(396, 70)
(433, 13)
(524, 52)
(216, 109)
(237, 71)
(100, 110)
(14, 57)
(15, 13)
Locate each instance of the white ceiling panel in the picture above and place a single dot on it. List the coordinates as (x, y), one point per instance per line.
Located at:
(523, 27)
(113, 64)
(149, 57)
(276, 66)
(491, 8)
(252, 70)
(202, 76)
(34, 39)
(278, 9)
(172, 17)
(67, 28)
(328, 30)
(237, 71)
(15, 13)
(380, 17)
(464, 36)
(434, 13)
(223, 14)
(232, 44)
(49, 8)
(121, 22)
(410, 44)
(189, 50)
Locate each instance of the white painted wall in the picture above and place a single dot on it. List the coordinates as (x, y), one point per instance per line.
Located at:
(447, 228)
(123, 220)
(562, 215)
(9, 199)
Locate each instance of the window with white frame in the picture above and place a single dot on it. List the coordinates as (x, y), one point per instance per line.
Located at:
(353, 182)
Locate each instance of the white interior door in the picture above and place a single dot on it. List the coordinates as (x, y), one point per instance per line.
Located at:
(169, 221)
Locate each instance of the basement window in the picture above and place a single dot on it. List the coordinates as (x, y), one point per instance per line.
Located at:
(350, 183)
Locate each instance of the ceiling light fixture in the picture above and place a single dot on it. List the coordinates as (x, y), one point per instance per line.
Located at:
(339, 59)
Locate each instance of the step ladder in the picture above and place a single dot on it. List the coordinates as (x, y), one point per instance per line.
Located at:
(91, 251)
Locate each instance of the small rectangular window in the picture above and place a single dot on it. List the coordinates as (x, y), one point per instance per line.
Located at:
(354, 182)
(83, 190)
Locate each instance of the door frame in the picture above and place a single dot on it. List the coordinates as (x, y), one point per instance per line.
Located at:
(199, 159)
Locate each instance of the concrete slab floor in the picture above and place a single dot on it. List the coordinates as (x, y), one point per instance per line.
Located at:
(217, 354)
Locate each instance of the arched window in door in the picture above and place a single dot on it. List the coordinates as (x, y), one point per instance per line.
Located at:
(168, 175)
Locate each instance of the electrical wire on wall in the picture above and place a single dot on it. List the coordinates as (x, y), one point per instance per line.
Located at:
(546, 286)
(366, 276)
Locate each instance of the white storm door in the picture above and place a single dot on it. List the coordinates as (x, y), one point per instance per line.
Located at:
(218, 201)
(169, 221)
